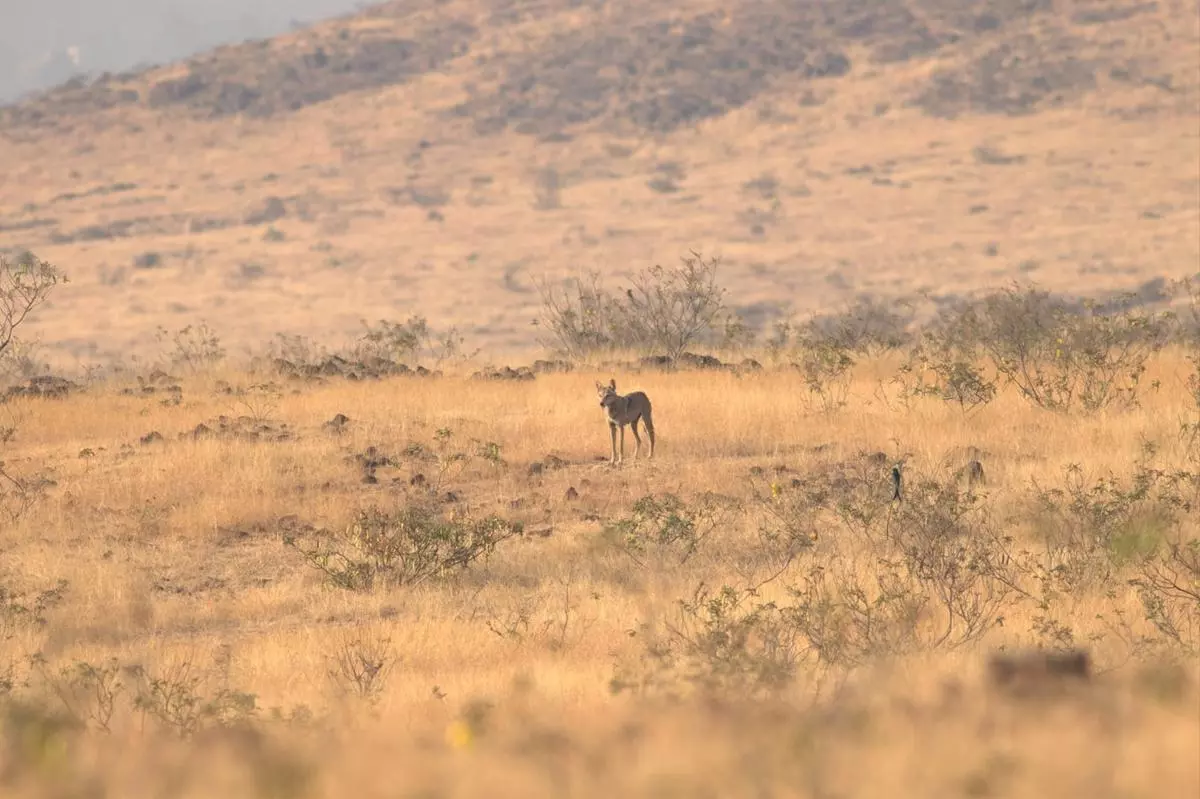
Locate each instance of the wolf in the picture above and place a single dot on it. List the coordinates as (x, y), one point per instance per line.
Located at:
(625, 410)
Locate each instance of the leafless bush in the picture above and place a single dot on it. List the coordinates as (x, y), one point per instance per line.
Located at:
(86, 692)
(409, 341)
(662, 310)
(360, 665)
(1168, 584)
(869, 326)
(186, 697)
(552, 618)
(25, 283)
(1189, 426)
(725, 641)
(194, 348)
(1063, 357)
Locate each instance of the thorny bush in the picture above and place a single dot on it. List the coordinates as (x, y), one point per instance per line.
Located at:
(1061, 356)
(663, 311)
(406, 546)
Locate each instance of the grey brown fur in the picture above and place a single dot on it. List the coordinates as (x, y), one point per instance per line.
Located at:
(972, 473)
(625, 410)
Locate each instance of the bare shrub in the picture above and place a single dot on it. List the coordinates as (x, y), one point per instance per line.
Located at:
(1060, 356)
(360, 665)
(87, 693)
(869, 326)
(718, 642)
(579, 321)
(552, 618)
(186, 697)
(826, 366)
(1168, 584)
(410, 341)
(662, 310)
(25, 283)
(194, 348)
(1189, 426)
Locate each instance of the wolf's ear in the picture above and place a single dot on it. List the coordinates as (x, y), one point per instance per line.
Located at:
(613, 384)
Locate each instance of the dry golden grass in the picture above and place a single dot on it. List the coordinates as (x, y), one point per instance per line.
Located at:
(171, 556)
(871, 196)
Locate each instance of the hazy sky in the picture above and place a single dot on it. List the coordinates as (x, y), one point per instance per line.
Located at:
(115, 35)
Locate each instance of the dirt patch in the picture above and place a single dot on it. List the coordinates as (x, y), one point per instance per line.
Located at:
(240, 428)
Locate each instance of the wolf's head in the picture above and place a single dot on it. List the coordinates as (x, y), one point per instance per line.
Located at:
(606, 394)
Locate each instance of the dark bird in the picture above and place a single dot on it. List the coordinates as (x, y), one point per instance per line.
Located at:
(896, 482)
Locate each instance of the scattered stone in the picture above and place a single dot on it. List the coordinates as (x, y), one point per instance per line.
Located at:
(200, 431)
(242, 428)
(536, 468)
(700, 361)
(151, 437)
(337, 424)
(158, 377)
(417, 480)
(571, 494)
(369, 460)
(44, 386)
(373, 368)
(87, 452)
(504, 373)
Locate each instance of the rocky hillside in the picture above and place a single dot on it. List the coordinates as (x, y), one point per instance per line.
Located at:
(442, 159)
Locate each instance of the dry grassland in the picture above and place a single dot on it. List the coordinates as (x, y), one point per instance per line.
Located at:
(1068, 154)
(173, 555)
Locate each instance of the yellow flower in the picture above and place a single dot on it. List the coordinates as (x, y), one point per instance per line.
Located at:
(459, 735)
(775, 489)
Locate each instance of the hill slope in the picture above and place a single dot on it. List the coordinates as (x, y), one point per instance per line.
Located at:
(437, 160)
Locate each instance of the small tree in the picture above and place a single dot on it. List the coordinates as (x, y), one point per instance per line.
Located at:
(669, 309)
(25, 283)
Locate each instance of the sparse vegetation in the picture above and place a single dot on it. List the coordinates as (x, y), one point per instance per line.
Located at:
(374, 563)
(662, 311)
(25, 283)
